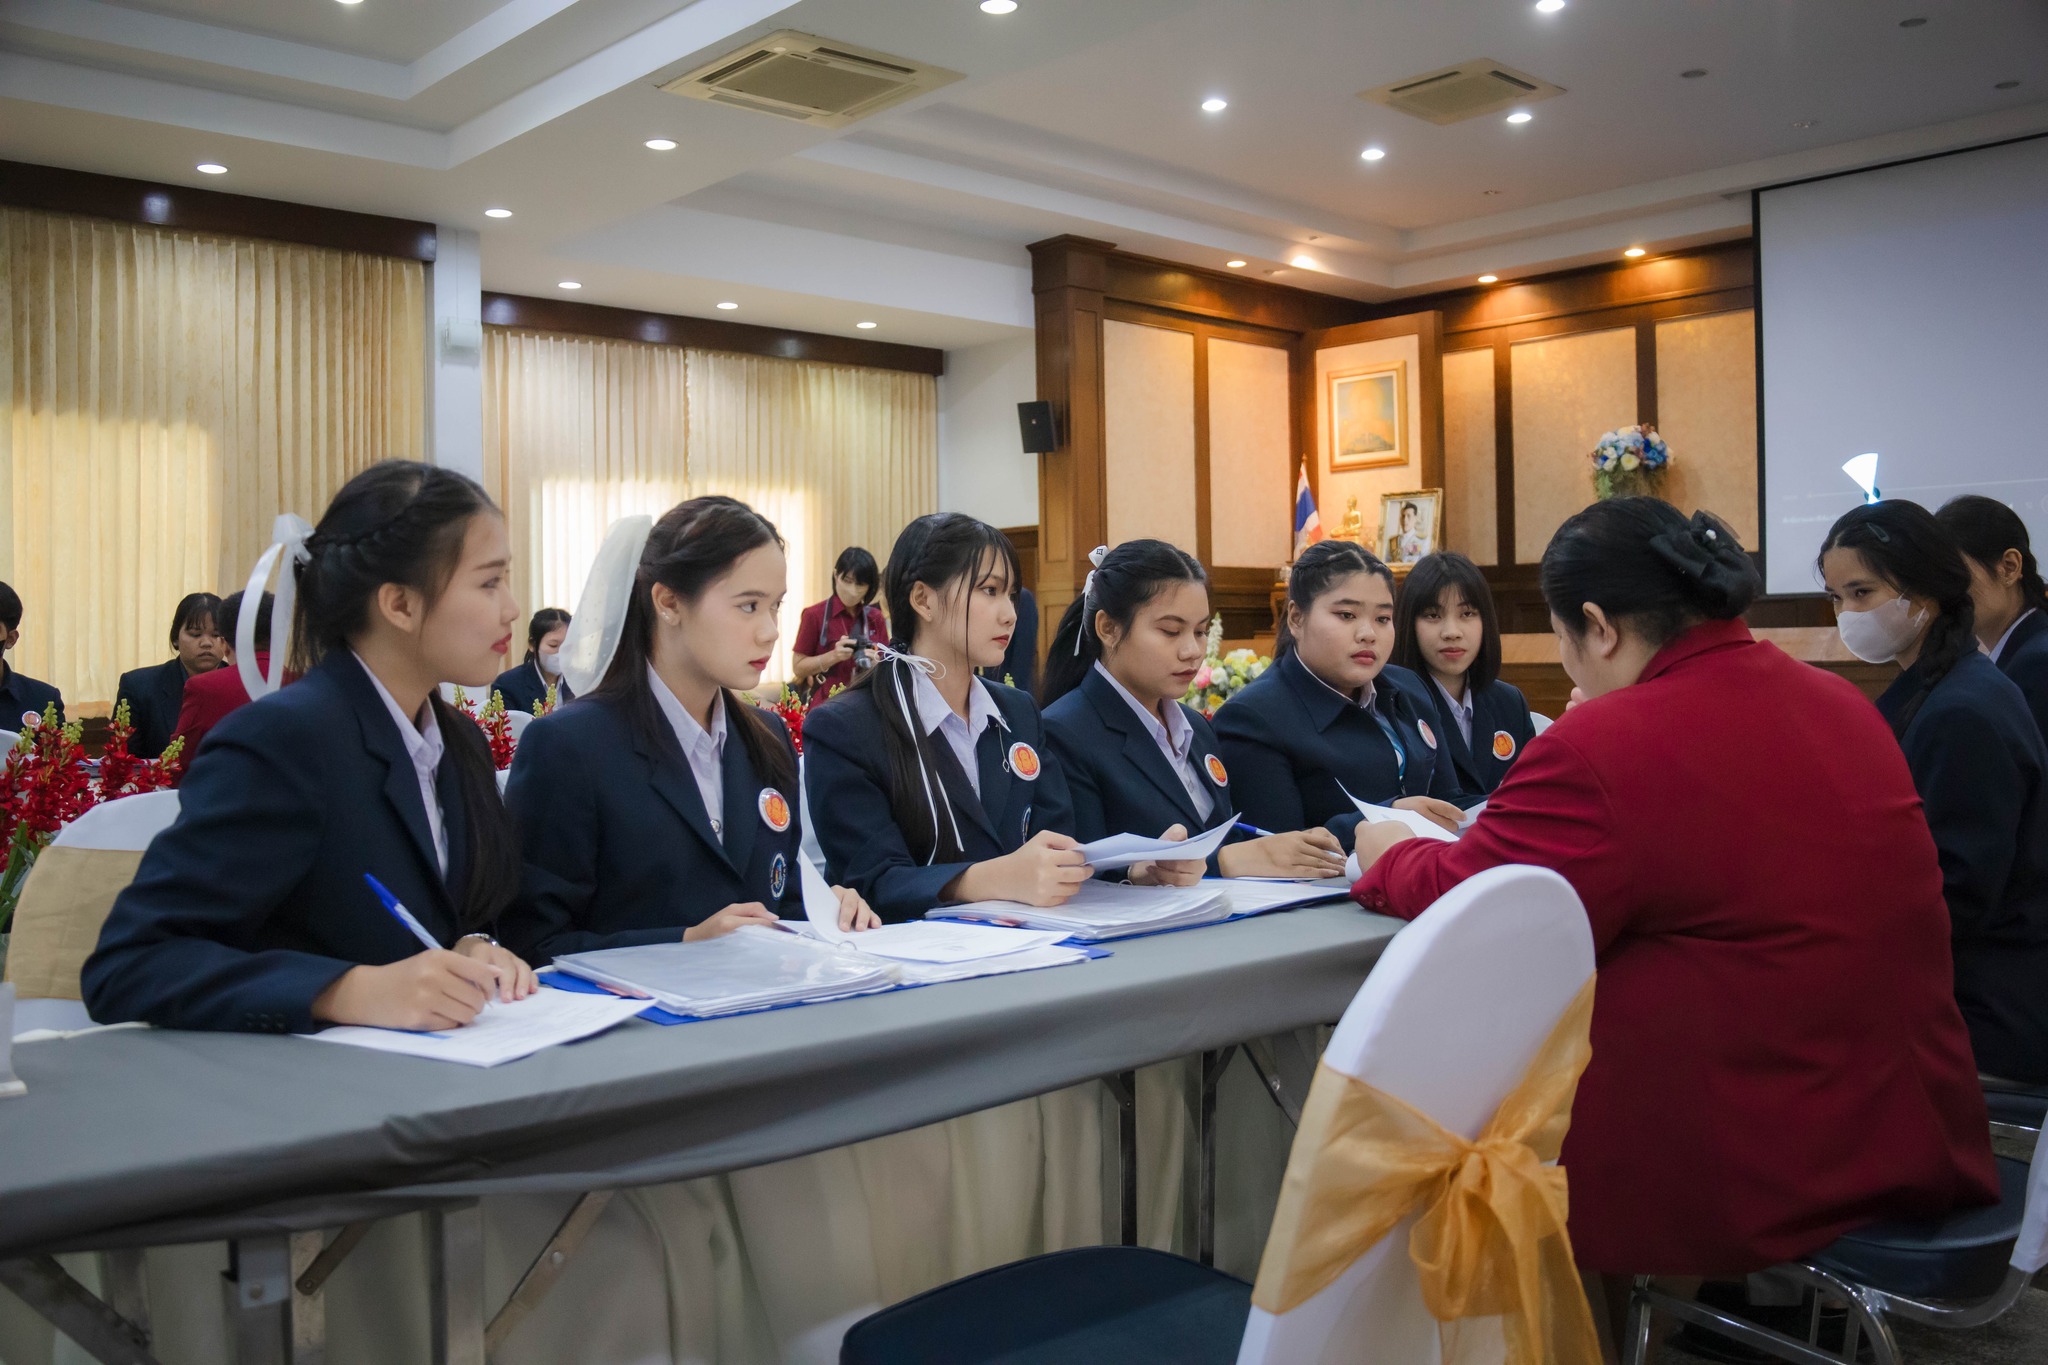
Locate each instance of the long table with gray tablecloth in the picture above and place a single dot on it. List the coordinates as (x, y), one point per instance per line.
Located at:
(145, 1136)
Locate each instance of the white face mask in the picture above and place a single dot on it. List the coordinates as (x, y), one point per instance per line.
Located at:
(551, 662)
(1876, 636)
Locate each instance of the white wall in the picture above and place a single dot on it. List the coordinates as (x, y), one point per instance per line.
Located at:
(983, 470)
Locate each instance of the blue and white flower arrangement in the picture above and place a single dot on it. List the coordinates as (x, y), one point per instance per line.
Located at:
(1628, 461)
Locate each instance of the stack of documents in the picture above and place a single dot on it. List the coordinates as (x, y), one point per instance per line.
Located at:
(1249, 897)
(928, 951)
(1104, 910)
(752, 968)
(502, 1032)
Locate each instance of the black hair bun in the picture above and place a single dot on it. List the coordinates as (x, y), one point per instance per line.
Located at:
(1720, 579)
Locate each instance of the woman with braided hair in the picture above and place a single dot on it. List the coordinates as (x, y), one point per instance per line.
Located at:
(1902, 593)
(1777, 1053)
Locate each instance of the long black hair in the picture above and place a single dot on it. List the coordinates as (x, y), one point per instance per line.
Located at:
(1318, 569)
(1984, 529)
(193, 608)
(402, 522)
(1432, 577)
(1129, 576)
(947, 552)
(1643, 561)
(695, 544)
(1905, 546)
(544, 620)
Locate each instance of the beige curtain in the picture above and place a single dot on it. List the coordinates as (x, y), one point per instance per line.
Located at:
(579, 431)
(163, 395)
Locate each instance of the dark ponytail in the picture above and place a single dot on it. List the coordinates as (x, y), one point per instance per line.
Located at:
(1321, 565)
(1905, 546)
(401, 522)
(544, 620)
(695, 544)
(1129, 576)
(1433, 576)
(1642, 561)
(947, 552)
(1984, 529)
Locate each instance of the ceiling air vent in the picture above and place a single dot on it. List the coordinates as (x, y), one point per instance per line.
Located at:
(811, 80)
(1464, 91)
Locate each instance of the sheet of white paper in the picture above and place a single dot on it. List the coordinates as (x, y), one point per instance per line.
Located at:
(1422, 826)
(502, 1033)
(1122, 850)
(945, 941)
(1470, 816)
(821, 907)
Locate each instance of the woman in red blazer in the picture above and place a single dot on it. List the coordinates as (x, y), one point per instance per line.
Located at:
(1777, 1053)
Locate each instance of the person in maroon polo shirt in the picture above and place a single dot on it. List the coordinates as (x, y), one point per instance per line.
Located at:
(828, 649)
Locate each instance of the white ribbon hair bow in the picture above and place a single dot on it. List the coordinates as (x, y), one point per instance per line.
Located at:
(1095, 558)
(287, 538)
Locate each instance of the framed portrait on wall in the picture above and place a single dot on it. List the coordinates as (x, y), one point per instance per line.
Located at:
(1411, 525)
(1368, 416)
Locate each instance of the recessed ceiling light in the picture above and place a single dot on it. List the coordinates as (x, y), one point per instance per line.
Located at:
(1693, 73)
(869, 326)
(1212, 105)
(1911, 23)
(1488, 279)
(2006, 85)
(1520, 116)
(1303, 263)
(1235, 265)
(728, 305)
(497, 213)
(661, 144)
(348, 2)
(568, 284)
(1372, 154)
(211, 168)
(998, 6)
(1549, 6)
(1635, 251)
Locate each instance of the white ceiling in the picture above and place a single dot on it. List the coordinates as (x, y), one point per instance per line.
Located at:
(1075, 116)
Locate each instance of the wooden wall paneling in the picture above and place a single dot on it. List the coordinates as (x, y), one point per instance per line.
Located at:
(1681, 275)
(1426, 421)
(1025, 539)
(1226, 296)
(1204, 493)
(1504, 451)
(711, 334)
(1068, 275)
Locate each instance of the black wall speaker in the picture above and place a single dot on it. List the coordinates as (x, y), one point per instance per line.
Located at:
(1034, 420)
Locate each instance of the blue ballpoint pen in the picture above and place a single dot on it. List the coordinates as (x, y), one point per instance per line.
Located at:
(400, 913)
(1254, 830)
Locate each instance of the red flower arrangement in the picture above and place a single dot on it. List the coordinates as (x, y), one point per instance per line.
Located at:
(497, 725)
(792, 707)
(47, 782)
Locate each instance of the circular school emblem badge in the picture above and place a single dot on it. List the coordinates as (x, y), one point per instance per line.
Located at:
(778, 877)
(1503, 745)
(1217, 772)
(1428, 735)
(1024, 761)
(774, 807)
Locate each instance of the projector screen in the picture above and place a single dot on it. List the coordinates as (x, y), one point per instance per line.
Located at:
(1904, 314)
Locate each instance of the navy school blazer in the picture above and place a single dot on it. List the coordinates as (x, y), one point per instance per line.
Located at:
(616, 845)
(1981, 769)
(846, 774)
(1291, 741)
(20, 695)
(1500, 727)
(2025, 660)
(253, 901)
(1118, 780)
(522, 688)
(154, 695)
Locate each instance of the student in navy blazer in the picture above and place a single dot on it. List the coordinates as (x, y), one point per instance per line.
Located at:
(1447, 635)
(1902, 594)
(251, 911)
(20, 695)
(661, 808)
(2006, 588)
(526, 686)
(927, 783)
(1331, 716)
(1137, 759)
(155, 694)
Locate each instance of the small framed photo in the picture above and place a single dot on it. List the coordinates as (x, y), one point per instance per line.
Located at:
(1368, 416)
(1411, 524)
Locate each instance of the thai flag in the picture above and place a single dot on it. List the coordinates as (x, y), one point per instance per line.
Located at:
(1308, 526)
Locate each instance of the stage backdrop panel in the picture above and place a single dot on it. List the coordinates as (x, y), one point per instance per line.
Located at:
(1471, 489)
(1148, 381)
(1706, 409)
(1567, 391)
(1251, 469)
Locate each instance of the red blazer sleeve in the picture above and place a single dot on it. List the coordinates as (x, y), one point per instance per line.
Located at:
(1550, 811)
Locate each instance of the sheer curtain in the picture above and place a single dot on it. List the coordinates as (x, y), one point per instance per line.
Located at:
(579, 431)
(163, 395)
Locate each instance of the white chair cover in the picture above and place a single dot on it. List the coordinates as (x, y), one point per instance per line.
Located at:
(1448, 1022)
(2030, 1253)
(517, 721)
(1539, 722)
(810, 840)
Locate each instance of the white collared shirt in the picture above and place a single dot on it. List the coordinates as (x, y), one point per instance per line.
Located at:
(705, 749)
(424, 746)
(1461, 711)
(1999, 648)
(1175, 738)
(939, 718)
